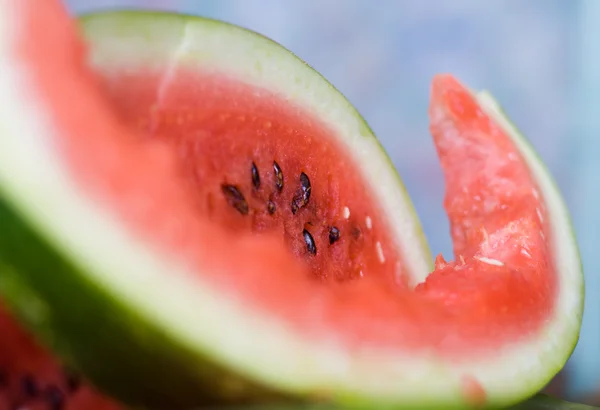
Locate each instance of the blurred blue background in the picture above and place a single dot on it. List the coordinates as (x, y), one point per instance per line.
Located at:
(541, 59)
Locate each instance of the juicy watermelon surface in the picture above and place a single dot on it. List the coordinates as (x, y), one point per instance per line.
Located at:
(235, 205)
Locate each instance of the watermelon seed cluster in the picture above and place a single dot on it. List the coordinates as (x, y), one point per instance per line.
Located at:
(30, 387)
(301, 198)
(51, 395)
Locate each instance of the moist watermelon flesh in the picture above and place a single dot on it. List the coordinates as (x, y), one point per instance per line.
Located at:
(270, 208)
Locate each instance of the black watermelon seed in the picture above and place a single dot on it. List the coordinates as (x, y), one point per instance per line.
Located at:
(235, 198)
(271, 207)
(334, 235)
(356, 232)
(3, 378)
(255, 176)
(310, 242)
(72, 380)
(302, 196)
(55, 398)
(29, 386)
(278, 176)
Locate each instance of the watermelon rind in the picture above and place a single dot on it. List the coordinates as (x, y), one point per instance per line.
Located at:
(74, 275)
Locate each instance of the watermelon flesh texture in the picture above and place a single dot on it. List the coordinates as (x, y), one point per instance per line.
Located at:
(254, 164)
(191, 151)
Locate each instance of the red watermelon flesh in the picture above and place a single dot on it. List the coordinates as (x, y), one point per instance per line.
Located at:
(167, 169)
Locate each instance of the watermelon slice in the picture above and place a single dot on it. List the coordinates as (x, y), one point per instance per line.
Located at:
(202, 217)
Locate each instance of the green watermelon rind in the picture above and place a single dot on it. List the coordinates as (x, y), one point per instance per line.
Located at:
(38, 198)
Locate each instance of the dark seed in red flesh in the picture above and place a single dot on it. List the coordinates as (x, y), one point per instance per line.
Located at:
(302, 196)
(72, 380)
(310, 242)
(55, 398)
(29, 386)
(235, 198)
(3, 378)
(278, 176)
(255, 176)
(334, 235)
(271, 207)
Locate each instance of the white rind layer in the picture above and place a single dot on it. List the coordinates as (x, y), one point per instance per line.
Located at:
(36, 181)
